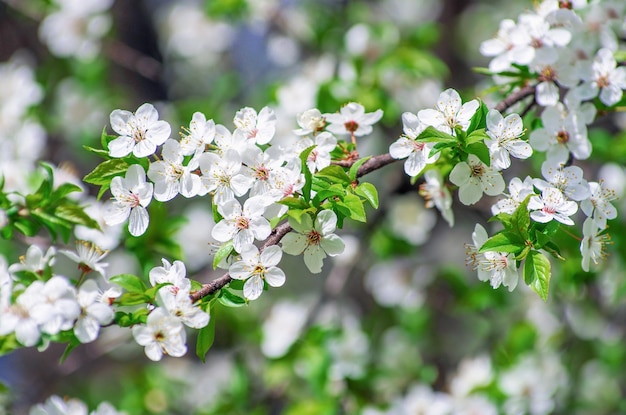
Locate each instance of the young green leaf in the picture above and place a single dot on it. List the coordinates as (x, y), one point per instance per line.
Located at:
(537, 273)
(105, 171)
(354, 169)
(131, 283)
(368, 192)
(206, 335)
(308, 177)
(433, 135)
(230, 299)
(334, 174)
(503, 242)
(355, 204)
(222, 253)
(481, 151)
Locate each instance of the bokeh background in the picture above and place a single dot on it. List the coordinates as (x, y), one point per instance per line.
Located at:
(398, 324)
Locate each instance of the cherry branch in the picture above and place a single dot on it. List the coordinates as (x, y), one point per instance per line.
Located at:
(515, 97)
(373, 164)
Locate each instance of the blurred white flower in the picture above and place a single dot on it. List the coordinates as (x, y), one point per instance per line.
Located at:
(163, 334)
(282, 327)
(409, 219)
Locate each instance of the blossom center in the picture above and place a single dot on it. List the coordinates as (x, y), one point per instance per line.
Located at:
(314, 237)
(418, 145)
(242, 222)
(603, 81)
(547, 75)
(262, 173)
(351, 126)
(562, 137)
(139, 135)
(477, 170)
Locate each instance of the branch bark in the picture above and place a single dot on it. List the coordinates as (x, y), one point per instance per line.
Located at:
(515, 97)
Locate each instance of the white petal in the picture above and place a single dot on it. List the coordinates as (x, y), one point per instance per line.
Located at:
(294, 243)
(326, 222)
(121, 146)
(314, 258)
(139, 220)
(253, 288)
(275, 277)
(332, 244)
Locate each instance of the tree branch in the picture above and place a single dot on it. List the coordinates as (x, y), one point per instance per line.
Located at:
(369, 166)
(515, 97)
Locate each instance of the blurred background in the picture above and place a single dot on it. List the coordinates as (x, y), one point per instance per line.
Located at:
(398, 324)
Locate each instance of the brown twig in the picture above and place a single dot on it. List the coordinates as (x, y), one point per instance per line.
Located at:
(515, 97)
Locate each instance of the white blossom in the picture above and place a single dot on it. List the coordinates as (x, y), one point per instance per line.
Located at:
(222, 176)
(568, 179)
(256, 268)
(140, 133)
(603, 77)
(132, 194)
(163, 334)
(94, 313)
(518, 191)
(475, 178)
(314, 239)
(499, 268)
(178, 304)
(504, 139)
(242, 225)
(449, 112)
(257, 128)
(598, 205)
(88, 256)
(171, 177)
(200, 134)
(353, 120)
(435, 193)
(417, 153)
(173, 273)
(319, 157)
(552, 205)
(592, 247)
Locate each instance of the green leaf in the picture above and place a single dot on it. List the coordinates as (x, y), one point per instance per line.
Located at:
(229, 299)
(97, 151)
(294, 203)
(308, 177)
(481, 151)
(222, 253)
(355, 204)
(334, 174)
(553, 249)
(133, 298)
(296, 214)
(206, 335)
(70, 347)
(63, 190)
(75, 214)
(26, 226)
(479, 119)
(437, 148)
(368, 192)
(433, 135)
(503, 242)
(537, 273)
(477, 136)
(8, 343)
(131, 283)
(354, 169)
(105, 171)
(520, 219)
(336, 190)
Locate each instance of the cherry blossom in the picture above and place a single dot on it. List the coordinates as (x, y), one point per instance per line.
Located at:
(256, 268)
(171, 177)
(504, 139)
(132, 194)
(353, 120)
(140, 133)
(475, 178)
(592, 247)
(434, 191)
(598, 205)
(314, 239)
(163, 334)
(257, 128)
(499, 268)
(200, 134)
(603, 77)
(94, 313)
(417, 153)
(242, 225)
(449, 112)
(552, 205)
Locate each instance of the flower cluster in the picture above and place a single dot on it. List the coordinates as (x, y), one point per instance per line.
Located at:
(164, 331)
(43, 309)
